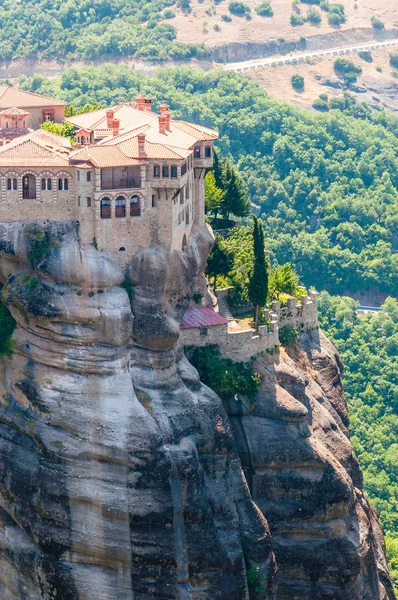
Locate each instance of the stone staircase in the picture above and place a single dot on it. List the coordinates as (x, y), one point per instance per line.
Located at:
(223, 309)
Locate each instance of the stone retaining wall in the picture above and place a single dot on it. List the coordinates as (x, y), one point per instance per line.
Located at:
(242, 345)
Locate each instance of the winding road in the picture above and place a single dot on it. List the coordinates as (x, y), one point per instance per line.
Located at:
(302, 57)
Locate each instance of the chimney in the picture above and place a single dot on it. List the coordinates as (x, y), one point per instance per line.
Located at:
(162, 123)
(141, 146)
(140, 102)
(148, 104)
(110, 115)
(115, 127)
(165, 112)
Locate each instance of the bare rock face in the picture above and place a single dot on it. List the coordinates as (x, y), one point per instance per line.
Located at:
(302, 473)
(120, 478)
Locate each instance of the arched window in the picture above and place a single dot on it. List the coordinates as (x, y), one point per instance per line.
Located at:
(46, 184)
(197, 152)
(63, 184)
(208, 152)
(156, 171)
(187, 216)
(15, 184)
(105, 208)
(173, 172)
(184, 242)
(120, 206)
(122, 249)
(135, 209)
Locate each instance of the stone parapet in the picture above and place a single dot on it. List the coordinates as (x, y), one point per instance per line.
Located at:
(242, 345)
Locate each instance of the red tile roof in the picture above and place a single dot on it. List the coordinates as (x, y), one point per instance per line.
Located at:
(202, 316)
(12, 96)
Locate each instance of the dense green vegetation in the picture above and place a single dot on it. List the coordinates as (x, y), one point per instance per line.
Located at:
(223, 375)
(86, 29)
(326, 184)
(369, 348)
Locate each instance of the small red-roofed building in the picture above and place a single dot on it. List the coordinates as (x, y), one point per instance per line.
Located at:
(40, 108)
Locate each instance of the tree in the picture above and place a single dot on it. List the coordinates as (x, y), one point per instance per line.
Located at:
(220, 261)
(297, 82)
(218, 170)
(283, 280)
(236, 199)
(65, 129)
(258, 283)
(214, 197)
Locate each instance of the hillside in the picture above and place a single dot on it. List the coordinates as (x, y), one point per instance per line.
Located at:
(168, 30)
(377, 84)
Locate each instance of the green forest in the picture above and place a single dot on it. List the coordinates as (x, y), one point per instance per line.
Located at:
(326, 185)
(87, 29)
(369, 348)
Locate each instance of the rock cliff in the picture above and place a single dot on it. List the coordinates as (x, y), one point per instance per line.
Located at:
(122, 474)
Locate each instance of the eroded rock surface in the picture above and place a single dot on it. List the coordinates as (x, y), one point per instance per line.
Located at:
(120, 479)
(303, 475)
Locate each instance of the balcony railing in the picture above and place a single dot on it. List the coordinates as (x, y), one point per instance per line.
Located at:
(121, 184)
(106, 212)
(120, 211)
(29, 194)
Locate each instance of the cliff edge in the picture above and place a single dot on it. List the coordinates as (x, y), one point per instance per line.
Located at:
(122, 474)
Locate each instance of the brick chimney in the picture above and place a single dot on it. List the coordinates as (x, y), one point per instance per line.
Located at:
(148, 104)
(162, 123)
(140, 102)
(165, 112)
(141, 146)
(115, 127)
(110, 115)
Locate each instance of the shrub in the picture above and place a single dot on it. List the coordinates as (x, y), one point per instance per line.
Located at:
(335, 19)
(297, 82)
(296, 20)
(337, 103)
(314, 16)
(265, 10)
(379, 69)
(169, 14)
(376, 23)
(288, 335)
(255, 581)
(296, 6)
(226, 18)
(185, 5)
(320, 105)
(346, 69)
(394, 59)
(223, 375)
(239, 9)
(216, 27)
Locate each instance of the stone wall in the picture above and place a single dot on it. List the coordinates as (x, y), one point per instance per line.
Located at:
(242, 345)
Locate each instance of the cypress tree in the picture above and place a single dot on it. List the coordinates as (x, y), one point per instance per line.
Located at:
(218, 168)
(258, 282)
(236, 198)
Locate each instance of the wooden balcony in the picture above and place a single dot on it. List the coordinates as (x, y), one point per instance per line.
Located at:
(121, 184)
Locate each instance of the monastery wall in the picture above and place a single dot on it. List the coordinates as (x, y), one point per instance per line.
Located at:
(242, 345)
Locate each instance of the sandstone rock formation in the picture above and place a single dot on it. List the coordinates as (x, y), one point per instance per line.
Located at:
(302, 473)
(121, 478)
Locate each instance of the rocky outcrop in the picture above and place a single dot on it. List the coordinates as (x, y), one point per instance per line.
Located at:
(120, 477)
(122, 474)
(302, 473)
